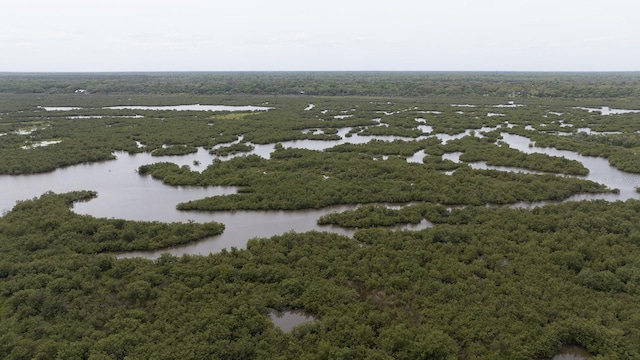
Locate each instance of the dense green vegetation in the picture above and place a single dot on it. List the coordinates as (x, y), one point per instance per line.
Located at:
(231, 149)
(299, 179)
(475, 149)
(174, 150)
(91, 132)
(39, 225)
(374, 215)
(542, 85)
(620, 149)
(484, 282)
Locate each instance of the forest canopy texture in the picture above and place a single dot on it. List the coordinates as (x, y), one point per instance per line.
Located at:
(485, 280)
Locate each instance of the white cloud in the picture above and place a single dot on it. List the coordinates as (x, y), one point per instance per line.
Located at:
(140, 35)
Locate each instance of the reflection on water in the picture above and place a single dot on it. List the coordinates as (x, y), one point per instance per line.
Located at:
(600, 170)
(444, 138)
(417, 157)
(195, 107)
(59, 108)
(605, 110)
(240, 226)
(426, 129)
(482, 165)
(572, 353)
(122, 193)
(588, 131)
(287, 320)
(452, 156)
(42, 143)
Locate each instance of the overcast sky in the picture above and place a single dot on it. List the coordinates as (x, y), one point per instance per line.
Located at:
(294, 35)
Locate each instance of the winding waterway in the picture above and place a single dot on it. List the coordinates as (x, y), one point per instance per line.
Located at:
(122, 193)
(600, 170)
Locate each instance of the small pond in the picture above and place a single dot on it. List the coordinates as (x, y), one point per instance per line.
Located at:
(287, 320)
(572, 353)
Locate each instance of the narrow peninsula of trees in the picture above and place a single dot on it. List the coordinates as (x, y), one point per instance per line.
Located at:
(485, 276)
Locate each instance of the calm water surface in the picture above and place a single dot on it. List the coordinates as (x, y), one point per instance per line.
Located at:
(122, 193)
(287, 320)
(194, 107)
(605, 110)
(600, 170)
(572, 353)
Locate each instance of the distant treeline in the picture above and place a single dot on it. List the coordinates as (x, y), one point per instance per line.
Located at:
(513, 84)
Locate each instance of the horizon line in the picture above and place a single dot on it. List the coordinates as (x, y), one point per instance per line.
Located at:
(316, 71)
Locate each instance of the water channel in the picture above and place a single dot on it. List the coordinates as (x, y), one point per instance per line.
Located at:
(572, 352)
(122, 193)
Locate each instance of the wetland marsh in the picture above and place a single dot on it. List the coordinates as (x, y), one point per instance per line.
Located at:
(449, 227)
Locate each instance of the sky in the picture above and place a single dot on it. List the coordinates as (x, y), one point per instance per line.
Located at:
(319, 35)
